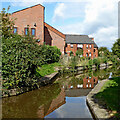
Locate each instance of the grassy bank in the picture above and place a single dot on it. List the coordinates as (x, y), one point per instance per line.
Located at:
(46, 69)
(109, 95)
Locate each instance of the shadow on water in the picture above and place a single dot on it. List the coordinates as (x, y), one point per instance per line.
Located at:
(66, 98)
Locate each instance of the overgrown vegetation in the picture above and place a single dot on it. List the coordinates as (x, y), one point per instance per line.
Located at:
(46, 69)
(21, 56)
(109, 94)
(116, 48)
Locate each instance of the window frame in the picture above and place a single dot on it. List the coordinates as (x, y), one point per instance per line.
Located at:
(90, 46)
(25, 30)
(71, 45)
(16, 30)
(35, 31)
(87, 46)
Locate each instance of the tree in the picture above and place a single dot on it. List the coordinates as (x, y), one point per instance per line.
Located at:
(79, 52)
(6, 23)
(103, 51)
(21, 56)
(116, 48)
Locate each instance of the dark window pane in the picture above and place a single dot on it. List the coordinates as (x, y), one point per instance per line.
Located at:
(15, 30)
(26, 31)
(33, 31)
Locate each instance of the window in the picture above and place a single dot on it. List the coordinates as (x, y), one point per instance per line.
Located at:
(33, 31)
(80, 46)
(90, 54)
(86, 46)
(26, 31)
(94, 50)
(90, 46)
(87, 54)
(15, 30)
(71, 45)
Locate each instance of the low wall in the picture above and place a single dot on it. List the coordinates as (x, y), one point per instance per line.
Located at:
(98, 112)
(48, 79)
(81, 68)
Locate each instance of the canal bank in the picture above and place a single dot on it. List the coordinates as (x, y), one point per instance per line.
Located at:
(48, 79)
(65, 98)
(98, 111)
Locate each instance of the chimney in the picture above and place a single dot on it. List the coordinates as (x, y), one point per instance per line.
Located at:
(92, 39)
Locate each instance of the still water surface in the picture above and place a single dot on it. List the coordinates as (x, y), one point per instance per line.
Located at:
(66, 98)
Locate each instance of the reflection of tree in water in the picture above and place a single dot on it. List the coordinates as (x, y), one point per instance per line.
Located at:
(75, 81)
(115, 72)
(102, 74)
(27, 104)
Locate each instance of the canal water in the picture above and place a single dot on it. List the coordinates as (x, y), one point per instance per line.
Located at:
(65, 98)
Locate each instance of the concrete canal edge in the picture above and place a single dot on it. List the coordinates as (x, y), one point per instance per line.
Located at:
(48, 79)
(97, 111)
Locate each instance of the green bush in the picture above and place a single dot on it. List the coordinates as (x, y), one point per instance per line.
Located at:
(50, 54)
(79, 52)
(90, 63)
(96, 62)
(71, 53)
(20, 58)
(73, 62)
(105, 60)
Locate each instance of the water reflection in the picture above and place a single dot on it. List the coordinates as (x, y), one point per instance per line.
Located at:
(65, 98)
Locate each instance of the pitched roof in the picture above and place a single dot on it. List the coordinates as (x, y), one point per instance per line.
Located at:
(54, 30)
(82, 39)
(95, 45)
(28, 8)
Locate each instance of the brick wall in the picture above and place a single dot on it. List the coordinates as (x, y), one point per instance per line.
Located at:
(90, 82)
(54, 38)
(30, 16)
(86, 50)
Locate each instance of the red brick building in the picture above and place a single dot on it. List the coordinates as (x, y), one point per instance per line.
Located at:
(76, 42)
(34, 17)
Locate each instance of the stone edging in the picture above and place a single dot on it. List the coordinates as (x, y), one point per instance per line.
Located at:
(48, 79)
(97, 111)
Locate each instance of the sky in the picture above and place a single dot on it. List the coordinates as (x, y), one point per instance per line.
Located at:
(96, 18)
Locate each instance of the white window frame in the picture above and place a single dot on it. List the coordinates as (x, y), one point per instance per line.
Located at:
(80, 46)
(71, 45)
(86, 46)
(90, 46)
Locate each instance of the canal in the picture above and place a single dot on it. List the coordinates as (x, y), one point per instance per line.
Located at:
(65, 98)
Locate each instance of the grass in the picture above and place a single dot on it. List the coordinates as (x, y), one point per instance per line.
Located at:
(109, 94)
(46, 69)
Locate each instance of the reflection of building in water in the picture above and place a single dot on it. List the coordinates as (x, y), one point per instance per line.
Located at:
(55, 103)
(90, 82)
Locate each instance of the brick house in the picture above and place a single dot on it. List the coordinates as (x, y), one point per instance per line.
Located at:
(75, 42)
(34, 17)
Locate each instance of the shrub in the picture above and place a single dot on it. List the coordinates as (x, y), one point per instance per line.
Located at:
(20, 58)
(105, 60)
(96, 62)
(71, 53)
(90, 63)
(79, 52)
(73, 62)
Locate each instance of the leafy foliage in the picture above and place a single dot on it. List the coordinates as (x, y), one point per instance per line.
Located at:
(96, 62)
(21, 56)
(7, 23)
(116, 48)
(79, 52)
(103, 52)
